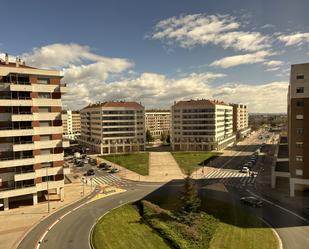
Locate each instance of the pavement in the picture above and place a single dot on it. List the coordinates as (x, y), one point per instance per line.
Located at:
(15, 222)
(162, 168)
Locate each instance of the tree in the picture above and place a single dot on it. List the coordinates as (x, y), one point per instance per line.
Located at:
(163, 137)
(190, 200)
(168, 139)
(149, 137)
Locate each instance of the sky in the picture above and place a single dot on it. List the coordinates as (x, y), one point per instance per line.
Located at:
(158, 52)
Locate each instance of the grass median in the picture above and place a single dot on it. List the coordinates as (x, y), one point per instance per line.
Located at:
(190, 161)
(137, 162)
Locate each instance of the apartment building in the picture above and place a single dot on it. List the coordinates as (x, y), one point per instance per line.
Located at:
(298, 127)
(31, 146)
(240, 120)
(113, 127)
(158, 122)
(199, 125)
(71, 123)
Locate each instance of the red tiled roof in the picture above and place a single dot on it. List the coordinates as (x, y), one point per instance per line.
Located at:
(115, 104)
(13, 64)
(198, 102)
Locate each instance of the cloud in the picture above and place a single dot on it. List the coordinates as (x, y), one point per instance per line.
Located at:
(200, 29)
(273, 63)
(236, 60)
(294, 39)
(256, 96)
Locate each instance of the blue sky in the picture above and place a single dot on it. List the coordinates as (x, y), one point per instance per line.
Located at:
(162, 63)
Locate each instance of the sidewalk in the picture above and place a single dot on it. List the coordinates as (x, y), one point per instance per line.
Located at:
(14, 223)
(162, 168)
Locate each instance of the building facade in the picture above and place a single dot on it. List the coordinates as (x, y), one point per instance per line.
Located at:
(31, 145)
(113, 127)
(298, 127)
(240, 120)
(199, 125)
(158, 122)
(71, 124)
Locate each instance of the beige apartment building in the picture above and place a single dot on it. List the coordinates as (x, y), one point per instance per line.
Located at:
(113, 127)
(240, 120)
(298, 127)
(71, 123)
(199, 125)
(31, 146)
(158, 122)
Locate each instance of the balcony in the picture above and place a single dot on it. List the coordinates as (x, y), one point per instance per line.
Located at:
(17, 191)
(49, 158)
(20, 176)
(46, 102)
(51, 171)
(23, 145)
(16, 102)
(51, 185)
(22, 116)
(16, 132)
(21, 87)
(48, 130)
(44, 88)
(65, 143)
(63, 88)
(11, 162)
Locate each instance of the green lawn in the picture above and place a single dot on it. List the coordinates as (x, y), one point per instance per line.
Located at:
(190, 161)
(137, 162)
(236, 229)
(121, 229)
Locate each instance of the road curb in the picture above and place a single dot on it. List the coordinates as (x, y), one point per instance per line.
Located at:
(17, 243)
(96, 222)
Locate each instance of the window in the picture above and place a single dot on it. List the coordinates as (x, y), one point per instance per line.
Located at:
(300, 131)
(300, 103)
(299, 145)
(44, 109)
(299, 90)
(45, 137)
(300, 76)
(299, 116)
(44, 95)
(299, 158)
(299, 172)
(43, 81)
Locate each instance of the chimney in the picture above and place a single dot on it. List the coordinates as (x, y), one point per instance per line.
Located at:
(6, 59)
(17, 62)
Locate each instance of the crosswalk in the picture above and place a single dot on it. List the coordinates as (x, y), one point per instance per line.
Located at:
(111, 180)
(230, 177)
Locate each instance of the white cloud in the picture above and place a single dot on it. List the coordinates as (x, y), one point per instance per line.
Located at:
(273, 63)
(201, 29)
(294, 39)
(236, 60)
(272, 69)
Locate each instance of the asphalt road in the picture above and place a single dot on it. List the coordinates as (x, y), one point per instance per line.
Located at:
(74, 229)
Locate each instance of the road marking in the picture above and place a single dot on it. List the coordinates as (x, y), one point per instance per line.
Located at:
(278, 206)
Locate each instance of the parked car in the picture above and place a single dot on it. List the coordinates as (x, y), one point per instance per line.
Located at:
(114, 170)
(251, 201)
(244, 170)
(90, 172)
(102, 165)
(80, 164)
(92, 161)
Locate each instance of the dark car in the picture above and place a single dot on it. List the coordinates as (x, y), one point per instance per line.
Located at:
(102, 165)
(114, 170)
(90, 172)
(107, 167)
(79, 163)
(251, 201)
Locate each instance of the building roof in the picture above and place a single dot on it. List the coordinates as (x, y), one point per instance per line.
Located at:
(13, 64)
(115, 104)
(199, 102)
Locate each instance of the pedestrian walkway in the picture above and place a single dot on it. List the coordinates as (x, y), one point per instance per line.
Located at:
(230, 177)
(111, 180)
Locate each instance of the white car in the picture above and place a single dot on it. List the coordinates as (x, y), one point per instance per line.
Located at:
(244, 170)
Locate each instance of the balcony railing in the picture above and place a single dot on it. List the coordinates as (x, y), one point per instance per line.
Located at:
(16, 128)
(16, 158)
(17, 187)
(14, 98)
(23, 142)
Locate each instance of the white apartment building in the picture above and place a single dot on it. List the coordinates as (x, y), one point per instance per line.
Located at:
(113, 127)
(201, 125)
(31, 146)
(71, 124)
(240, 120)
(158, 122)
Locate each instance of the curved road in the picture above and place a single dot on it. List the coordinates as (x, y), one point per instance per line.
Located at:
(72, 232)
